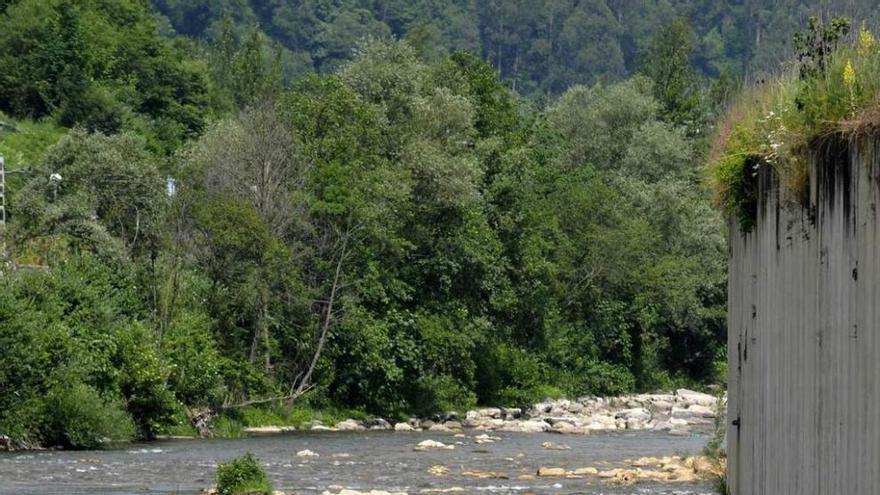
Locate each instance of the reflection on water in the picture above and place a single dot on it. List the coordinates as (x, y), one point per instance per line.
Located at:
(380, 460)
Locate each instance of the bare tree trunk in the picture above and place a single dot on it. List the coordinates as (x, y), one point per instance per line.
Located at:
(327, 321)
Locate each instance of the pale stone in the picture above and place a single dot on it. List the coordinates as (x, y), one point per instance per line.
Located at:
(433, 445)
(586, 471)
(349, 425)
(551, 471)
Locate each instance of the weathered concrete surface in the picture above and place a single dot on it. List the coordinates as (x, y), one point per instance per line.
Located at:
(804, 333)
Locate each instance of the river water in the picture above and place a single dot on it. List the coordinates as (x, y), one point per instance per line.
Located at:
(363, 461)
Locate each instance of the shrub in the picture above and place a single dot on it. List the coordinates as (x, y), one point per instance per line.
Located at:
(242, 475)
(78, 417)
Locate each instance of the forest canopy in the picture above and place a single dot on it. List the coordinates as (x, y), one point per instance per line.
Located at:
(394, 226)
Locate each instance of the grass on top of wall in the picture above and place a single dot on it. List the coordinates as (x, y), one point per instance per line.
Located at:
(777, 122)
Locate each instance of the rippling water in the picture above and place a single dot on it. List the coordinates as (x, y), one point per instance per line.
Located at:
(371, 460)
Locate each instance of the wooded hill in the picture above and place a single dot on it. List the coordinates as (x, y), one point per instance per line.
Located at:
(399, 233)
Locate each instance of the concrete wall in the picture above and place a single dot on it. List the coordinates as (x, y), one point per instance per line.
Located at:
(804, 333)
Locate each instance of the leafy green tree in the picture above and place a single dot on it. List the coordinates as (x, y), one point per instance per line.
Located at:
(676, 85)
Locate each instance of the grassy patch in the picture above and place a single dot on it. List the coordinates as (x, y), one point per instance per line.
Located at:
(24, 143)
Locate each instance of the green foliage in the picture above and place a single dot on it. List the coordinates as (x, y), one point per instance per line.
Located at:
(242, 475)
(405, 236)
(100, 65)
(78, 417)
(675, 83)
(815, 45)
(775, 125)
(108, 199)
(23, 143)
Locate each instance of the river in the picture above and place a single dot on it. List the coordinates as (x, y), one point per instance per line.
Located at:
(363, 461)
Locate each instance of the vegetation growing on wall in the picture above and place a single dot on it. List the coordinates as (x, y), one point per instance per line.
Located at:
(833, 90)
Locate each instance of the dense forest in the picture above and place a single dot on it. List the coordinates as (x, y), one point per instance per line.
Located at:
(537, 47)
(357, 205)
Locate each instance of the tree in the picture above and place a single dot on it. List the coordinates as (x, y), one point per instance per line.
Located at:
(676, 85)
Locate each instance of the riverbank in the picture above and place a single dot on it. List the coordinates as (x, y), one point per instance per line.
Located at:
(676, 413)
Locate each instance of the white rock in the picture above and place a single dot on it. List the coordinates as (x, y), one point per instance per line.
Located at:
(349, 425)
(695, 411)
(637, 413)
(484, 438)
(555, 446)
(689, 397)
(403, 427)
(306, 453)
(433, 445)
(265, 430)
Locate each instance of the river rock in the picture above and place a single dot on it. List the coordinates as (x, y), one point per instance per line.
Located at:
(484, 438)
(403, 427)
(439, 428)
(555, 446)
(483, 474)
(689, 397)
(570, 429)
(692, 412)
(542, 407)
(307, 453)
(433, 445)
(512, 412)
(489, 412)
(587, 471)
(267, 430)
(438, 470)
(349, 425)
(636, 413)
(377, 424)
(534, 426)
(452, 425)
(551, 471)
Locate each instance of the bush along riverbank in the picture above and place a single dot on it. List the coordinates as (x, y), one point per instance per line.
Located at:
(677, 413)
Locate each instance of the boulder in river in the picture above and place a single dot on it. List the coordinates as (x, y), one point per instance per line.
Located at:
(552, 472)
(267, 430)
(555, 446)
(484, 438)
(307, 453)
(687, 397)
(349, 425)
(433, 445)
(403, 427)
(377, 424)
